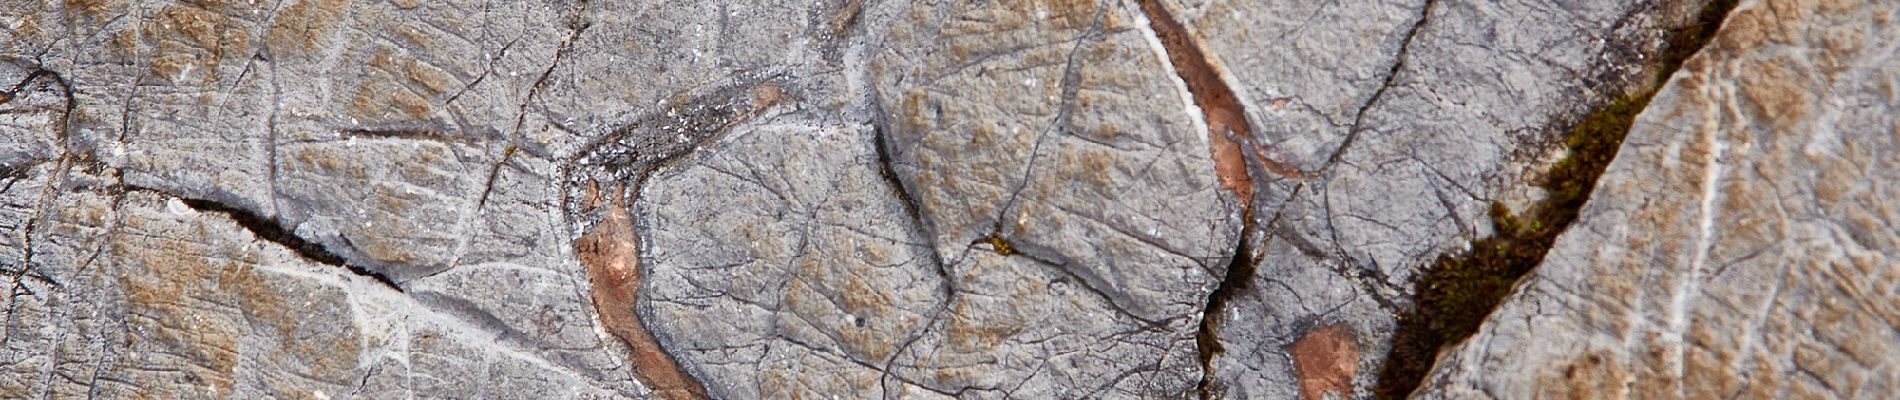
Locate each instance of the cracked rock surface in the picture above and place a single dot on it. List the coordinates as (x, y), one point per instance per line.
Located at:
(1742, 245)
(922, 199)
(1418, 116)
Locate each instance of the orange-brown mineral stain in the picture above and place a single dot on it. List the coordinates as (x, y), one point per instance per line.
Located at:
(1219, 107)
(764, 96)
(1325, 361)
(1229, 164)
(610, 252)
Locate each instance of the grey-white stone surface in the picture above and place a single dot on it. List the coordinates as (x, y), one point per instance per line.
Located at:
(1742, 243)
(873, 198)
(1399, 160)
(394, 169)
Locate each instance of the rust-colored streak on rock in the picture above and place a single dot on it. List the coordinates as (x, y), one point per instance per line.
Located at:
(611, 254)
(1218, 104)
(1325, 360)
(1229, 164)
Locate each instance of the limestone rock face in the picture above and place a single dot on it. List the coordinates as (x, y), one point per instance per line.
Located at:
(915, 199)
(1741, 244)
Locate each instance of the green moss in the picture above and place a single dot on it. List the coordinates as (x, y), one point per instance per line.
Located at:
(1459, 291)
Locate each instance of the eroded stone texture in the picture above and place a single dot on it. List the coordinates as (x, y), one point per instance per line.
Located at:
(421, 147)
(1010, 214)
(1306, 69)
(1405, 121)
(808, 276)
(1072, 172)
(794, 281)
(373, 128)
(136, 293)
(1741, 245)
(837, 198)
(1063, 179)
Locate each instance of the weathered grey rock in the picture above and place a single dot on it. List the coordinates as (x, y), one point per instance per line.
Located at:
(139, 293)
(418, 147)
(1741, 245)
(1395, 125)
(957, 238)
(841, 198)
(1056, 129)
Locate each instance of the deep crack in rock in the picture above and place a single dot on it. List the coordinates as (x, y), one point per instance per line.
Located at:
(1228, 134)
(270, 230)
(1240, 275)
(1456, 294)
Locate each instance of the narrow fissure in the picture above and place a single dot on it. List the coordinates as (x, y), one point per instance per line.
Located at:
(1090, 282)
(1240, 273)
(1398, 63)
(65, 136)
(889, 173)
(1070, 86)
(1459, 291)
(269, 230)
(1227, 130)
(886, 171)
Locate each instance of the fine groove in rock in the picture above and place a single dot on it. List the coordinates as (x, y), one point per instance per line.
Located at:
(881, 145)
(508, 151)
(1398, 63)
(64, 161)
(270, 230)
(14, 92)
(1457, 292)
(889, 173)
(1090, 282)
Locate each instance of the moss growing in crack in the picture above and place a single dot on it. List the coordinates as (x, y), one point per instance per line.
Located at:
(1454, 295)
(1459, 291)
